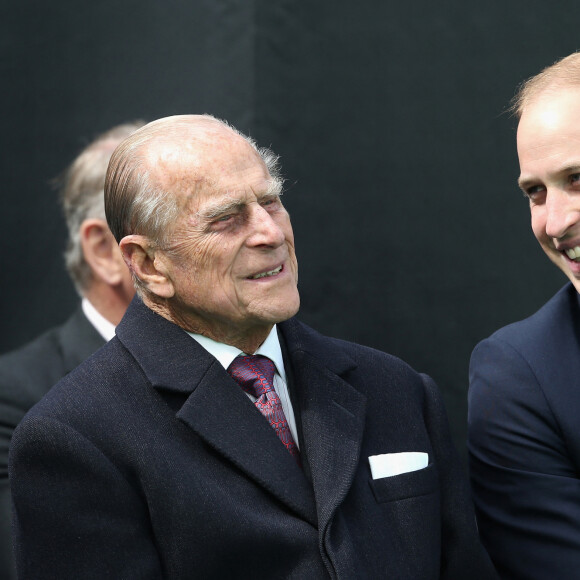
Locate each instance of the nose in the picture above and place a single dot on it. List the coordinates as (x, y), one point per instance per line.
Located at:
(265, 231)
(560, 213)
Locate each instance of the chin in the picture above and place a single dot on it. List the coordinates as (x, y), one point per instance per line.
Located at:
(286, 311)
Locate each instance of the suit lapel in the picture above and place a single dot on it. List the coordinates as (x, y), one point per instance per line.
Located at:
(332, 414)
(216, 408)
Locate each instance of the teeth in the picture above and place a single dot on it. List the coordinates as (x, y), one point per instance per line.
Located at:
(573, 253)
(277, 270)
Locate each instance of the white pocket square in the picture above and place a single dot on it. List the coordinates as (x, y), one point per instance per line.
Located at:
(389, 464)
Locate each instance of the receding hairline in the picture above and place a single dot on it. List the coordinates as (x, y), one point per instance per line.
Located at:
(169, 138)
(167, 129)
(562, 74)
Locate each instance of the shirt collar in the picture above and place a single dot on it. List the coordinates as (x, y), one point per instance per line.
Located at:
(105, 328)
(226, 353)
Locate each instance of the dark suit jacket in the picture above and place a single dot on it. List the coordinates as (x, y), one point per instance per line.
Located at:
(148, 461)
(524, 442)
(26, 375)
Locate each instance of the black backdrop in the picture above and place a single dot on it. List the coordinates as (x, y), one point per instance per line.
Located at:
(390, 119)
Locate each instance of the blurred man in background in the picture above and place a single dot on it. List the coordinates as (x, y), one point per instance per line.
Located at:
(104, 283)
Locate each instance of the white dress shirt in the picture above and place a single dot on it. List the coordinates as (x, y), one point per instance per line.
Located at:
(270, 348)
(105, 328)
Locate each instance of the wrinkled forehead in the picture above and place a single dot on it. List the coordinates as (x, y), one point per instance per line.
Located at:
(185, 162)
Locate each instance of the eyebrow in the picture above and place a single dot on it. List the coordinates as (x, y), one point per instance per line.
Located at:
(523, 184)
(235, 205)
(274, 186)
(220, 209)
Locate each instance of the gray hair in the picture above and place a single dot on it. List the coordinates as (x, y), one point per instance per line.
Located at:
(81, 196)
(134, 203)
(564, 73)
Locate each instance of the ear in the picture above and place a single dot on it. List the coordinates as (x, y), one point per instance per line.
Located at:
(147, 264)
(101, 252)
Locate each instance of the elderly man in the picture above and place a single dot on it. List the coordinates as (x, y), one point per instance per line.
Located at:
(101, 278)
(524, 396)
(216, 436)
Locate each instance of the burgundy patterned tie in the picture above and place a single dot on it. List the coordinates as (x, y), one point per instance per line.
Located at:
(255, 374)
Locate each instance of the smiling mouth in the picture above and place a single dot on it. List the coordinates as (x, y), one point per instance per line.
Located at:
(573, 253)
(272, 273)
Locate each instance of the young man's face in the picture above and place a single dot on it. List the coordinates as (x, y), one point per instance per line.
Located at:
(549, 153)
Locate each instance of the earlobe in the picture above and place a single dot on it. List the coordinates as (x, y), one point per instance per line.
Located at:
(147, 264)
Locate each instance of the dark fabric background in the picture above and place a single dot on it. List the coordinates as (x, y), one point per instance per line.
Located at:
(390, 119)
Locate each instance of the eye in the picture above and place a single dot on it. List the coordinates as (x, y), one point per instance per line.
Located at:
(574, 178)
(223, 222)
(534, 193)
(270, 202)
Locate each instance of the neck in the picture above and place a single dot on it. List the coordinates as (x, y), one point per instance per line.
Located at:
(110, 302)
(247, 338)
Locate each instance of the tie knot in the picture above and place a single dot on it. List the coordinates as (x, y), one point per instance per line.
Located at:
(255, 374)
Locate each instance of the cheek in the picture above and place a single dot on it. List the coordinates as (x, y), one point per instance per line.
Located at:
(538, 219)
(286, 226)
(194, 256)
(205, 262)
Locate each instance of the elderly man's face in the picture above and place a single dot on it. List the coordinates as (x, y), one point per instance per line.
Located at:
(549, 153)
(231, 260)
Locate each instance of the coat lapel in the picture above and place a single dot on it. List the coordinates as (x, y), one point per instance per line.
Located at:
(332, 414)
(216, 408)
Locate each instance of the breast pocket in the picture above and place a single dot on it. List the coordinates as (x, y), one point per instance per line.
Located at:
(406, 485)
